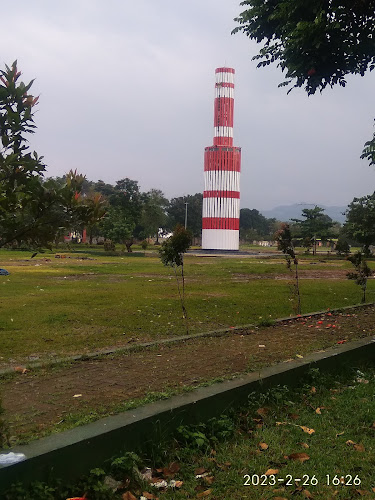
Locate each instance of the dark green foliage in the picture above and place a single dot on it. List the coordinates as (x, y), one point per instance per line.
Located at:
(342, 247)
(315, 225)
(172, 254)
(125, 465)
(173, 249)
(285, 244)
(32, 212)
(116, 225)
(315, 43)
(153, 213)
(360, 221)
(176, 213)
(361, 274)
(253, 225)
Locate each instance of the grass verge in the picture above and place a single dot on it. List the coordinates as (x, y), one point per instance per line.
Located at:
(314, 442)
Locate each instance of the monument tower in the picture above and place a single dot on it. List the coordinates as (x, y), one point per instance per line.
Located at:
(222, 166)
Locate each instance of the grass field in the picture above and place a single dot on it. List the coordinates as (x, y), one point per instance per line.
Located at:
(88, 300)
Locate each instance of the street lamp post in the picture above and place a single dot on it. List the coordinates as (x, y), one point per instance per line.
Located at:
(186, 205)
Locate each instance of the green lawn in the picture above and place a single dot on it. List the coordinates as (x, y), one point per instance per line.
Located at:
(90, 300)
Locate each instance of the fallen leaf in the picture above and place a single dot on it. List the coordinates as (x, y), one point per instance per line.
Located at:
(362, 493)
(209, 479)
(304, 445)
(271, 472)
(279, 498)
(77, 396)
(318, 410)
(307, 429)
(262, 411)
(359, 447)
(281, 423)
(263, 446)
(313, 390)
(372, 426)
(200, 471)
(225, 465)
(349, 442)
(340, 433)
(261, 345)
(362, 381)
(128, 496)
(279, 490)
(204, 493)
(172, 469)
(301, 457)
(293, 416)
(307, 494)
(21, 369)
(149, 496)
(175, 484)
(299, 356)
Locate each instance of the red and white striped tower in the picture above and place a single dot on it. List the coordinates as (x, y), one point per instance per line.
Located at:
(222, 166)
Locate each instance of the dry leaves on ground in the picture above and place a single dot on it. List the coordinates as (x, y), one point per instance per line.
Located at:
(301, 457)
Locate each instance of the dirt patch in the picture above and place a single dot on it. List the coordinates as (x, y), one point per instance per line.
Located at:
(337, 274)
(36, 401)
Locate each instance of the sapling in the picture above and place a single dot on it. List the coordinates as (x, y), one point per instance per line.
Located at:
(172, 254)
(285, 244)
(361, 274)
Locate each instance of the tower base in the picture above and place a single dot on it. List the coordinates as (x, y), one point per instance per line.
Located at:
(220, 239)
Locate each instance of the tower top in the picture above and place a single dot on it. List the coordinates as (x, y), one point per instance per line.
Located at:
(224, 70)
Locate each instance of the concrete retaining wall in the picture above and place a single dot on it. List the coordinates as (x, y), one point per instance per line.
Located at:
(72, 453)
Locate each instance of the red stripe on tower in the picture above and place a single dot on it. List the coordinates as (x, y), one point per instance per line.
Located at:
(222, 166)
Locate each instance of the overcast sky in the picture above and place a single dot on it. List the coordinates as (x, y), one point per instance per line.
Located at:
(127, 89)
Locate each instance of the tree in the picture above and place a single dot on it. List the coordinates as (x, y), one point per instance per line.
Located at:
(176, 213)
(128, 197)
(361, 274)
(172, 254)
(285, 244)
(31, 212)
(116, 226)
(97, 209)
(316, 43)
(253, 220)
(153, 213)
(360, 221)
(315, 224)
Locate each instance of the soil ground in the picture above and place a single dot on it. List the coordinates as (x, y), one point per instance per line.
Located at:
(43, 399)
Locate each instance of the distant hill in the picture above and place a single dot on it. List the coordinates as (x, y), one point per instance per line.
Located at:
(287, 212)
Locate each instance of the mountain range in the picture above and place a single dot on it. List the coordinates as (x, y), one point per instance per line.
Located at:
(287, 212)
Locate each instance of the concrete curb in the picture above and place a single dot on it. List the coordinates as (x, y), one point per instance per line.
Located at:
(174, 340)
(72, 453)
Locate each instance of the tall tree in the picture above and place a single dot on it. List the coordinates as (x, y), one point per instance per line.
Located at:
(315, 43)
(177, 210)
(360, 221)
(31, 212)
(253, 223)
(153, 213)
(315, 224)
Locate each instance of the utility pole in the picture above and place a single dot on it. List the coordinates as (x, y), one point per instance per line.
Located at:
(186, 205)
